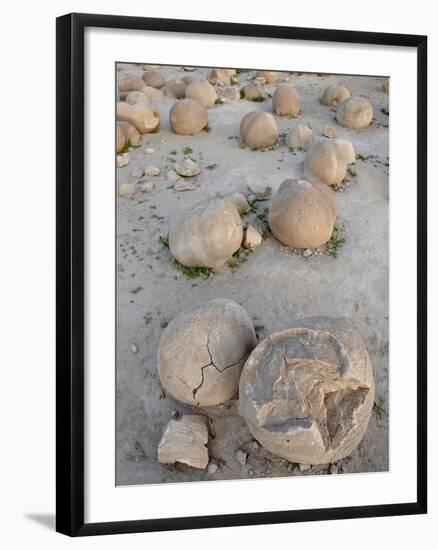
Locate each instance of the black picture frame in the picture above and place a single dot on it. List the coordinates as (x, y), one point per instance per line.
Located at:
(70, 273)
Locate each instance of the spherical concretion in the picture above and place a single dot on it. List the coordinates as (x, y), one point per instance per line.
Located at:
(219, 77)
(355, 112)
(130, 84)
(144, 117)
(302, 214)
(153, 78)
(188, 117)
(328, 160)
(258, 130)
(202, 352)
(307, 392)
(269, 76)
(190, 78)
(208, 235)
(175, 88)
(152, 93)
(137, 97)
(254, 92)
(203, 92)
(300, 138)
(286, 101)
(335, 94)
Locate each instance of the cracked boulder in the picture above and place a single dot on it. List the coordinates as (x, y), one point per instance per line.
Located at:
(208, 235)
(355, 112)
(188, 117)
(335, 94)
(286, 101)
(328, 160)
(202, 352)
(303, 214)
(185, 441)
(258, 130)
(145, 118)
(307, 392)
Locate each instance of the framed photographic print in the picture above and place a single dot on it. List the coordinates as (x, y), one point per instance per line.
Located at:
(241, 274)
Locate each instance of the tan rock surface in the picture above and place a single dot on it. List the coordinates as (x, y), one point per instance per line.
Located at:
(355, 112)
(145, 118)
(286, 101)
(335, 94)
(203, 92)
(328, 161)
(258, 130)
(188, 117)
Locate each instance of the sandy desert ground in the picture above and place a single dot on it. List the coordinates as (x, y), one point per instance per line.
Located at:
(275, 285)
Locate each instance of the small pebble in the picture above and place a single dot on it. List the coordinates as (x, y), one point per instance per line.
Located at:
(212, 468)
(152, 171)
(252, 238)
(181, 185)
(134, 348)
(122, 160)
(137, 172)
(304, 467)
(149, 150)
(187, 168)
(127, 190)
(307, 253)
(147, 187)
(241, 457)
(329, 132)
(333, 469)
(172, 176)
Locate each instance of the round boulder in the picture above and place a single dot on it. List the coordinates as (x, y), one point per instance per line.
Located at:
(208, 235)
(286, 101)
(153, 78)
(307, 392)
(131, 84)
(188, 117)
(175, 88)
(203, 92)
(202, 352)
(258, 130)
(355, 112)
(302, 214)
(137, 97)
(335, 94)
(144, 117)
(219, 77)
(328, 160)
(254, 92)
(127, 134)
(300, 138)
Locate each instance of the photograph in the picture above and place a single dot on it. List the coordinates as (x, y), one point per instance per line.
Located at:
(252, 266)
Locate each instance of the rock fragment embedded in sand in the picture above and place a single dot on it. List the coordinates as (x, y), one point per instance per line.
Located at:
(152, 171)
(307, 253)
(329, 132)
(202, 352)
(185, 441)
(127, 190)
(258, 130)
(286, 101)
(307, 392)
(134, 348)
(149, 150)
(327, 161)
(335, 94)
(181, 185)
(188, 117)
(229, 93)
(145, 118)
(304, 467)
(147, 187)
(171, 175)
(208, 235)
(122, 160)
(252, 238)
(127, 135)
(203, 92)
(138, 172)
(262, 191)
(303, 214)
(355, 112)
(253, 92)
(212, 468)
(187, 168)
(334, 469)
(300, 138)
(241, 457)
(239, 202)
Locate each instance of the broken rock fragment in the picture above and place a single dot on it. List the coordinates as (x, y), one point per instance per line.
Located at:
(307, 392)
(185, 441)
(187, 168)
(202, 352)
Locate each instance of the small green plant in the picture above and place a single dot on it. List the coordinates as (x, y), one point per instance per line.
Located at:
(379, 407)
(211, 166)
(187, 151)
(242, 145)
(126, 147)
(193, 272)
(163, 323)
(335, 242)
(164, 241)
(258, 329)
(239, 258)
(242, 213)
(173, 152)
(242, 93)
(258, 99)
(384, 111)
